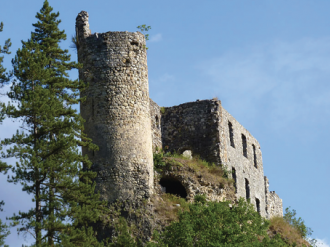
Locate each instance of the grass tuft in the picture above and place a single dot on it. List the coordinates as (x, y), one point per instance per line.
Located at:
(288, 233)
(167, 209)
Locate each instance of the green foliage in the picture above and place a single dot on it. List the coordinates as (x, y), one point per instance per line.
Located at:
(162, 110)
(217, 224)
(298, 224)
(4, 232)
(50, 165)
(199, 198)
(158, 159)
(4, 76)
(144, 29)
(124, 236)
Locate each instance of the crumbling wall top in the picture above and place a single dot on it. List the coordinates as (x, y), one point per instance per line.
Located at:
(82, 26)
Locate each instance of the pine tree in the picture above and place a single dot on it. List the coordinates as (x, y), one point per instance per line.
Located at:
(49, 162)
(4, 77)
(3, 229)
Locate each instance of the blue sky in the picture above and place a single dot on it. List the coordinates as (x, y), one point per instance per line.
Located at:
(267, 61)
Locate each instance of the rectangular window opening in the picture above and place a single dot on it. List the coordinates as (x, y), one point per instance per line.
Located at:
(258, 205)
(231, 134)
(254, 156)
(244, 145)
(235, 178)
(247, 189)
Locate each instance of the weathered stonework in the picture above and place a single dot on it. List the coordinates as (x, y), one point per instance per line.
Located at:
(274, 204)
(128, 126)
(249, 168)
(156, 119)
(116, 111)
(193, 126)
(194, 184)
(207, 129)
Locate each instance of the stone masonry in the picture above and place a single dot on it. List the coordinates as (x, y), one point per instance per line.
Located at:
(207, 129)
(128, 126)
(116, 111)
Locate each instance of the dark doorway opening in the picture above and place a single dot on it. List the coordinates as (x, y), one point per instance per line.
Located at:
(173, 186)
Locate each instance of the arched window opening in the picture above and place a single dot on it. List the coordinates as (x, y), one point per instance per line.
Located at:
(173, 186)
(247, 189)
(258, 205)
(231, 134)
(235, 178)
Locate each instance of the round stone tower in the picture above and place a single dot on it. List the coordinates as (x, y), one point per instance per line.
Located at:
(116, 111)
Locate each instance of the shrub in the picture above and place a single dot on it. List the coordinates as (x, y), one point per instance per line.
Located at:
(217, 224)
(280, 226)
(298, 224)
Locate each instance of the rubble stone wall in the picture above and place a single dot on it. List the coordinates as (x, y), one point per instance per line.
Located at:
(248, 165)
(156, 126)
(116, 111)
(274, 205)
(193, 126)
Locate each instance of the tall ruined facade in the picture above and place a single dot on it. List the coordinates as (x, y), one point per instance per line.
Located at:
(127, 125)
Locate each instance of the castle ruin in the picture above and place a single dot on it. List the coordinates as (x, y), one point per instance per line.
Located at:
(127, 125)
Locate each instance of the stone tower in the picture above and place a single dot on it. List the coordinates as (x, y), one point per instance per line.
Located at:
(116, 111)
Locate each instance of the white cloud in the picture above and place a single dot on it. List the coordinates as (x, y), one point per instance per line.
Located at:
(285, 81)
(156, 38)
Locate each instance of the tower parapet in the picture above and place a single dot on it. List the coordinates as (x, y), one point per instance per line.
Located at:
(116, 111)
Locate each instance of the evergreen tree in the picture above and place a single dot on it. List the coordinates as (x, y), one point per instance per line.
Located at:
(3, 229)
(49, 162)
(4, 77)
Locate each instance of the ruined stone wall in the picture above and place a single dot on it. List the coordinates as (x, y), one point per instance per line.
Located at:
(193, 126)
(156, 127)
(245, 157)
(127, 125)
(116, 111)
(195, 185)
(274, 205)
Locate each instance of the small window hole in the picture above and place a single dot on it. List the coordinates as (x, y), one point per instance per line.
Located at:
(258, 205)
(244, 145)
(254, 156)
(134, 43)
(247, 189)
(235, 178)
(231, 134)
